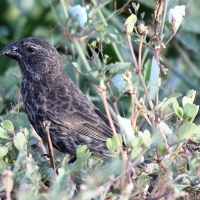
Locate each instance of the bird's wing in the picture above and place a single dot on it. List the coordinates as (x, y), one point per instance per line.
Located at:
(74, 111)
(87, 123)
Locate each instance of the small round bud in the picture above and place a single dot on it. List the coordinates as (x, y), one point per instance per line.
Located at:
(142, 29)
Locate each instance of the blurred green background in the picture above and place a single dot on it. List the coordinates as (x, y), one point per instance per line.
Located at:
(47, 20)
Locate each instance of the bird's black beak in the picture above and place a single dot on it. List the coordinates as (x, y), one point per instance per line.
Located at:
(12, 51)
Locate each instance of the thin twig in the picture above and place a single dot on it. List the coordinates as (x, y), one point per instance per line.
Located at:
(132, 52)
(140, 52)
(132, 110)
(132, 92)
(136, 65)
(143, 83)
(113, 100)
(106, 191)
(102, 90)
(163, 18)
(169, 39)
(103, 93)
(46, 125)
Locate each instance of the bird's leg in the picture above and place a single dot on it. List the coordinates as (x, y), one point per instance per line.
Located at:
(46, 125)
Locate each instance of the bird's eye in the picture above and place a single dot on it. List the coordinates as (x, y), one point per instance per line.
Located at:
(30, 49)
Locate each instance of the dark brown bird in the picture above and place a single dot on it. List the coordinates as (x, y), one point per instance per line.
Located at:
(49, 94)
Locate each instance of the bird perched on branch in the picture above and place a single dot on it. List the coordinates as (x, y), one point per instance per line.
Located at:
(50, 95)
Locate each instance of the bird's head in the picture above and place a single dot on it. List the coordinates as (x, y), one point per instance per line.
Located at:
(35, 57)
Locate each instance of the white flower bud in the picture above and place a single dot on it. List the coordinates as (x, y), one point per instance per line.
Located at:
(79, 14)
(176, 16)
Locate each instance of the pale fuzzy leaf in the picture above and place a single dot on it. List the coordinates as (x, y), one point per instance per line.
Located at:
(3, 133)
(118, 80)
(186, 131)
(118, 67)
(165, 128)
(19, 140)
(8, 125)
(130, 23)
(186, 100)
(126, 130)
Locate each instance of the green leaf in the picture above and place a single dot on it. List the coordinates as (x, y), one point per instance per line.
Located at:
(19, 140)
(110, 145)
(116, 143)
(126, 130)
(118, 67)
(137, 142)
(195, 113)
(143, 182)
(4, 133)
(60, 184)
(190, 110)
(160, 104)
(8, 125)
(146, 136)
(157, 140)
(162, 149)
(47, 173)
(136, 152)
(196, 135)
(3, 151)
(187, 130)
(191, 94)
(18, 119)
(172, 140)
(130, 23)
(77, 166)
(82, 152)
(118, 81)
(170, 100)
(178, 110)
(147, 70)
(174, 94)
(165, 128)
(186, 100)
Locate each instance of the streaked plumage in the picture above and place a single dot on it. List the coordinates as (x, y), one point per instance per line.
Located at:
(49, 94)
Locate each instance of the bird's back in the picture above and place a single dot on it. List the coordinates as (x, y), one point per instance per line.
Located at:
(74, 119)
